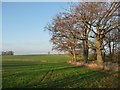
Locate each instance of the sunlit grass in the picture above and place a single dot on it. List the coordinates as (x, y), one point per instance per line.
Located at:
(30, 72)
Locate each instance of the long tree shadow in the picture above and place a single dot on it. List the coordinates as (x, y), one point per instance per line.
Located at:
(49, 73)
(72, 79)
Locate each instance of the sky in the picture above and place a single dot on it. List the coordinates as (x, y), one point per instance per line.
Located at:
(59, 0)
(23, 26)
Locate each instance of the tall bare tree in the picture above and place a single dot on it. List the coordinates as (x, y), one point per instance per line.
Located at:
(100, 19)
(85, 22)
(64, 35)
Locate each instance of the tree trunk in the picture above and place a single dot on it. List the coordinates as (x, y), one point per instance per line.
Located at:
(99, 51)
(104, 55)
(113, 49)
(74, 55)
(71, 56)
(109, 45)
(110, 52)
(85, 52)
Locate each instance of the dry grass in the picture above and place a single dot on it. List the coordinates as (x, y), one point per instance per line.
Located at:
(105, 66)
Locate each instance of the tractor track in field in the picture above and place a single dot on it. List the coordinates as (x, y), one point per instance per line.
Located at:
(62, 82)
(47, 75)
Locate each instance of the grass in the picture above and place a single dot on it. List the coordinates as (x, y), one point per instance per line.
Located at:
(50, 71)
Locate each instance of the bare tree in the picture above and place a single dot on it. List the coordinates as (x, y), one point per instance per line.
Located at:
(100, 19)
(86, 25)
(64, 35)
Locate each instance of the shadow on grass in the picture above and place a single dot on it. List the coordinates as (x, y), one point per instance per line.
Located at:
(78, 74)
(60, 83)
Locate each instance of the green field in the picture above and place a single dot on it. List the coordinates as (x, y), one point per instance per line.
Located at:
(51, 71)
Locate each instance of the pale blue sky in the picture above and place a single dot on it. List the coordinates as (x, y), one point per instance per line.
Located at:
(23, 25)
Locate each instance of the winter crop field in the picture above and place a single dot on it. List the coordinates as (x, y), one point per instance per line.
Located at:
(51, 71)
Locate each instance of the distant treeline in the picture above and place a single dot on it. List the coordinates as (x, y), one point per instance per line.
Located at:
(7, 53)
